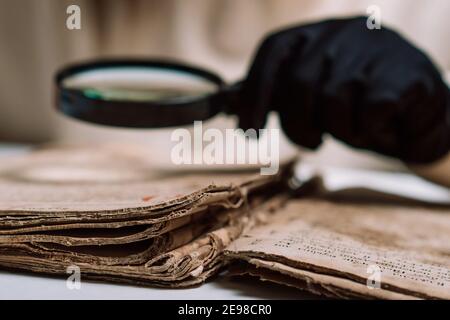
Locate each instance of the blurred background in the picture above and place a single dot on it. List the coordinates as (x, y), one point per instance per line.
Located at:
(220, 35)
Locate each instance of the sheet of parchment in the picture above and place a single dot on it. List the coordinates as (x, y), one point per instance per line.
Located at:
(409, 245)
(95, 184)
(94, 188)
(313, 282)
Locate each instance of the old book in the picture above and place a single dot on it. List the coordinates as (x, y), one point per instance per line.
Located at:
(108, 213)
(349, 250)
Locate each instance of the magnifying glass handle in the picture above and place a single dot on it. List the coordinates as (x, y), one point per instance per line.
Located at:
(229, 98)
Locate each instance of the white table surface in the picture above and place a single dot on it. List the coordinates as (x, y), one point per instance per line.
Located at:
(30, 286)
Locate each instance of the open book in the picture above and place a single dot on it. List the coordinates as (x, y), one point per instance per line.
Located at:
(106, 212)
(350, 250)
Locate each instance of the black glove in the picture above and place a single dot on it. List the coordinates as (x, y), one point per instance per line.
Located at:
(369, 88)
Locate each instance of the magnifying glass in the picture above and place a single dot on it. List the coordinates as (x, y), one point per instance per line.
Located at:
(142, 93)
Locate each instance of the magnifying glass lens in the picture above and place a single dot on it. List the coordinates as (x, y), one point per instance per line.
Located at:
(140, 84)
(138, 93)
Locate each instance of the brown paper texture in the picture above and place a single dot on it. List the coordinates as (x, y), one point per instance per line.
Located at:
(107, 212)
(315, 238)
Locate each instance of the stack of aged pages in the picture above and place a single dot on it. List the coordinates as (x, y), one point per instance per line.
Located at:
(106, 212)
(351, 250)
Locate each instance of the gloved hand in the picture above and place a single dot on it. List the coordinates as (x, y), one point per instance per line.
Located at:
(368, 88)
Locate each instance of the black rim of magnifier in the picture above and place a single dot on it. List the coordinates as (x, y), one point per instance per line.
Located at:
(137, 114)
